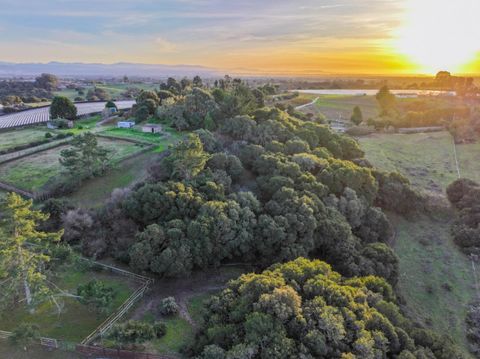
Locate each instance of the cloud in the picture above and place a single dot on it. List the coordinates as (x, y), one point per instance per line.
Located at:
(165, 46)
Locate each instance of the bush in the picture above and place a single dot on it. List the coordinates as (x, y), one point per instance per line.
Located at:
(160, 329)
(96, 295)
(132, 332)
(25, 334)
(60, 123)
(168, 306)
(48, 135)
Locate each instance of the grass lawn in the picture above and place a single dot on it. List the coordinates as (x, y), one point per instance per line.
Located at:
(469, 160)
(32, 173)
(436, 280)
(195, 306)
(21, 136)
(179, 333)
(76, 321)
(163, 140)
(427, 159)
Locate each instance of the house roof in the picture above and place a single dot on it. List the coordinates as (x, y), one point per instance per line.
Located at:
(152, 125)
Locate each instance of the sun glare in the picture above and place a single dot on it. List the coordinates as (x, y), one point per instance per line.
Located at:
(440, 34)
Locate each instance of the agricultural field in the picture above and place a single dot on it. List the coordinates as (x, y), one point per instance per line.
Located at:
(41, 115)
(32, 173)
(436, 280)
(17, 137)
(76, 320)
(426, 159)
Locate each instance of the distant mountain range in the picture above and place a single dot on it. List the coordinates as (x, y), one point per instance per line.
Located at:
(8, 69)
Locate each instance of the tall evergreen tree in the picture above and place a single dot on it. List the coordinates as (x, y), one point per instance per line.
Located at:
(23, 251)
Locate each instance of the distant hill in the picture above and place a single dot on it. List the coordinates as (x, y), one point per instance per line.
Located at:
(62, 69)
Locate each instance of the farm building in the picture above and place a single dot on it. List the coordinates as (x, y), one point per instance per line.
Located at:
(125, 124)
(152, 128)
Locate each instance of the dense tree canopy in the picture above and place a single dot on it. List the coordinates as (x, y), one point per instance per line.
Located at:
(464, 195)
(62, 107)
(303, 309)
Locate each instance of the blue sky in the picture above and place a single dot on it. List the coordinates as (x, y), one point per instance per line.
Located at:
(250, 34)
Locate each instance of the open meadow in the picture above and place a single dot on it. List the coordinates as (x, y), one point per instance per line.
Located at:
(436, 280)
(426, 159)
(76, 320)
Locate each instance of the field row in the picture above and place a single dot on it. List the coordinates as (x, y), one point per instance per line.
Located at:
(41, 115)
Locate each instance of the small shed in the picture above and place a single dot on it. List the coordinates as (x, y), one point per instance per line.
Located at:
(125, 124)
(152, 128)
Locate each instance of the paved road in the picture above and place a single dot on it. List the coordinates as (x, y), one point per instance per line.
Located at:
(41, 115)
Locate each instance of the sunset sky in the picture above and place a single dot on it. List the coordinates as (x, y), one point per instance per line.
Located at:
(251, 36)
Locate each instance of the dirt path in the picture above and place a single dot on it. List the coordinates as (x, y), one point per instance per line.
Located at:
(307, 104)
(182, 290)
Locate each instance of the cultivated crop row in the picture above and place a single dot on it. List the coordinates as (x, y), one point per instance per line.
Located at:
(40, 115)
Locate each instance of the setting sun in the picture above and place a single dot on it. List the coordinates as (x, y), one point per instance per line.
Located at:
(438, 35)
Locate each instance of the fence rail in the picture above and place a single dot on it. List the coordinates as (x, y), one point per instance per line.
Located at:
(5, 335)
(92, 351)
(107, 324)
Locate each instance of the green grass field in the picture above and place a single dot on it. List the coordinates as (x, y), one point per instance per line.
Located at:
(179, 334)
(427, 159)
(436, 280)
(95, 191)
(163, 140)
(340, 107)
(469, 160)
(21, 136)
(114, 90)
(33, 172)
(77, 320)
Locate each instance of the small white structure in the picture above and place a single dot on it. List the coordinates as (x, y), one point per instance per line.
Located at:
(125, 124)
(152, 128)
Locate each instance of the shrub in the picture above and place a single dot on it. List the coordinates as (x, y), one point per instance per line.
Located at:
(168, 306)
(48, 135)
(96, 294)
(132, 332)
(25, 334)
(160, 329)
